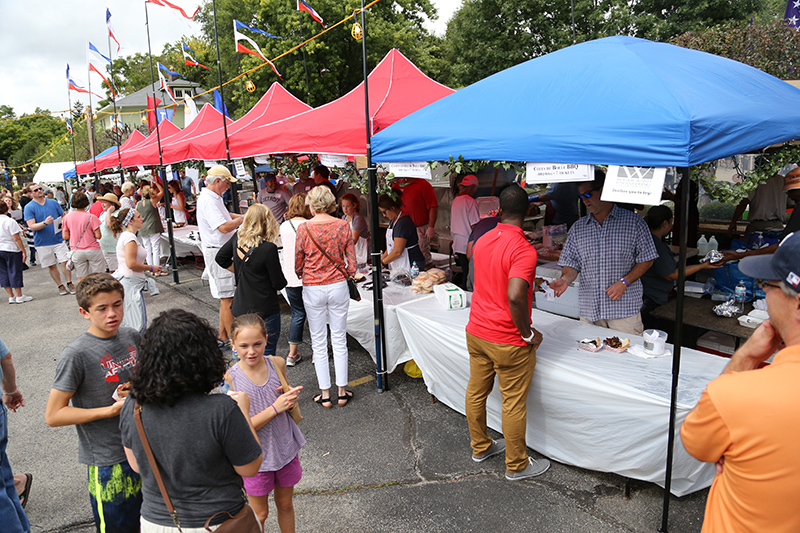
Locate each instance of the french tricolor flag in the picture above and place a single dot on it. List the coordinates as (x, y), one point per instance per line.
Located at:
(72, 85)
(111, 29)
(302, 5)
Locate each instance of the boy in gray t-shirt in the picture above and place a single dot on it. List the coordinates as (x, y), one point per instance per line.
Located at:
(93, 373)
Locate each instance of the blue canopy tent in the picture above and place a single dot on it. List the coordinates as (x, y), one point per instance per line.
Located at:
(618, 101)
(69, 174)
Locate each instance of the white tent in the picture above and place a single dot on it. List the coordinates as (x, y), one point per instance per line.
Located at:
(52, 172)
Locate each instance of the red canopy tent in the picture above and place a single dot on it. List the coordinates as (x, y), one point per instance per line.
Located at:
(179, 147)
(146, 153)
(208, 142)
(110, 160)
(396, 89)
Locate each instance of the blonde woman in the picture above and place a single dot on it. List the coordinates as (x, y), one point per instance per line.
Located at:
(296, 214)
(252, 255)
(325, 293)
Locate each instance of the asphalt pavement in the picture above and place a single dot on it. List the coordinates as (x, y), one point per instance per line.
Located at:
(396, 461)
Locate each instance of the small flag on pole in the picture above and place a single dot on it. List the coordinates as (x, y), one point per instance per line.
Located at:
(92, 55)
(792, 15)
(302, 5)
(243, 26)
(165, 3)
(257, 52)
(191, 58)
(111, 30)
(152, 104)
(219, 105)
(164, 86)
(72, 85)
(69, 127)
(168, 71)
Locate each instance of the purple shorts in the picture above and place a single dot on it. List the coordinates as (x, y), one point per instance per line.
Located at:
(264, 482)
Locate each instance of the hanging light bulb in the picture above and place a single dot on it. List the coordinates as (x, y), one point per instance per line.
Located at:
(250, 86)
(144, 119)
(52, 154)
(94, 116)
(356, 31)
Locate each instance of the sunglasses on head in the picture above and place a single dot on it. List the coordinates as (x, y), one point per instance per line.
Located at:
(588, 194)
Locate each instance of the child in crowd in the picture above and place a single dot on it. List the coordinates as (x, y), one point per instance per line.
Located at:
(93, 372)
(281, 439)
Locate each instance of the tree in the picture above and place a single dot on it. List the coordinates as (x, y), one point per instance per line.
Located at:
(660, 20)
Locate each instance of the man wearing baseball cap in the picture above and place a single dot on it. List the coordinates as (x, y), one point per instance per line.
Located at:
(216, 226)
(747, 419)
(463, 217)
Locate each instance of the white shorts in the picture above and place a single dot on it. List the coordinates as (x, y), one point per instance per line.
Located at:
(221, 281)
(111, 260)
(50, 255)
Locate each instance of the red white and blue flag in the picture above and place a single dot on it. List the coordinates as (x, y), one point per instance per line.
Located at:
(72, 85)
(257, 52)
(111, 29)
(69, 127)
(792, 15)
(302, 5)
(164, 86)
(93, 55)
(168, 71)
(191, 58)
(165, 3)
(242, 26)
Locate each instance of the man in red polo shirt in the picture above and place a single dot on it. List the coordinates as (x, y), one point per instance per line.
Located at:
(419, 201)
(501, 339)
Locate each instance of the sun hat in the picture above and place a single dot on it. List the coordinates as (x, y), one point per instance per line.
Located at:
(110, 197)
(221, 171)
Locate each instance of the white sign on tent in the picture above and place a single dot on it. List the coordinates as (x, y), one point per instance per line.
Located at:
(634, 185)
(333, 161)
(557, 172)
(411, 169)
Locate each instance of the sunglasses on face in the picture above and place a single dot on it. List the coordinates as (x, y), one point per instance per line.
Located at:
(764, 284)
(588, 194)
(35, 190)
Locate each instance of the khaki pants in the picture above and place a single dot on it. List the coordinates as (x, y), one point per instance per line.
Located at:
(424, 244)
(631, 325)
(513, 366)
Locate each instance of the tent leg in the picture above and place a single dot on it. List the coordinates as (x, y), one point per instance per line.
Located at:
(676, 357)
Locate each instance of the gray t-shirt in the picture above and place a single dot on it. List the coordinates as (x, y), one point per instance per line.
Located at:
(196, 442)
(656, 288)
(93, 368)
(277, 202)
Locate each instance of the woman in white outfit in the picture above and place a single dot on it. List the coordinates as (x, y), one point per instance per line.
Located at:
(178, 203)
(151, 229)
(324, 259)
(296, 214)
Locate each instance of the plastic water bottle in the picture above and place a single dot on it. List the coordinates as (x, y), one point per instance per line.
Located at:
(713, 244)
(414, 270)
(740, 295)
(709, 286)
(702, 246)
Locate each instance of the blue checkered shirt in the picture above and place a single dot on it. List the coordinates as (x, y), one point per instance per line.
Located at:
(603, 255)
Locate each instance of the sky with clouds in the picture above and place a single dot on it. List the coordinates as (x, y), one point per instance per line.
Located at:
(39, 38)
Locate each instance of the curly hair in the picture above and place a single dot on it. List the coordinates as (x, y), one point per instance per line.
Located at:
(127, 186)
(259, 225)
(321, 200)
(178, 356)
(116, 221)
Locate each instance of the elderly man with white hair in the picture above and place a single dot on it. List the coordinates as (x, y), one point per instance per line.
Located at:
(216, 226)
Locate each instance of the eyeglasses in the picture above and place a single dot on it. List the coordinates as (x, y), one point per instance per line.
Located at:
(763, 284)
(588, 194)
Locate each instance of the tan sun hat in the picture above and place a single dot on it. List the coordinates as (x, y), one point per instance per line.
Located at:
(221, 171)
(110, 197)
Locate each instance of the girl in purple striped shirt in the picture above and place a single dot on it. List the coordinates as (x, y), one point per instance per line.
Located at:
(281, 439)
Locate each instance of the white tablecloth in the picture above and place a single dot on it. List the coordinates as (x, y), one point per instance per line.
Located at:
(184, 246)
(601, 411)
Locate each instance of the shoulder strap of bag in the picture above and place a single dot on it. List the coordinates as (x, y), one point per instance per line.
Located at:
(337, 265)
(83, 232)
(284, 383)
(137, 415)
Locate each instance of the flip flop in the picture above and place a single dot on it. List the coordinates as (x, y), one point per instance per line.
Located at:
(23, 496)
(348, 395)
(324, 402)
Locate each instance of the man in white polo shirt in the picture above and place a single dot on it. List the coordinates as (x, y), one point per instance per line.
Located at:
(216, 226)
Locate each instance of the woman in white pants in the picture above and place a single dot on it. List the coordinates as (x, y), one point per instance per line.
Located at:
(150, 234)
(324, 258)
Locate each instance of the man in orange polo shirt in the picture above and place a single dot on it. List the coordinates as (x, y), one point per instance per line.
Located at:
(501, 339)
(747, 420)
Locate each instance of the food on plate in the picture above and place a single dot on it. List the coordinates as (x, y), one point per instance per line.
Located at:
(617, 344)
(592, 345)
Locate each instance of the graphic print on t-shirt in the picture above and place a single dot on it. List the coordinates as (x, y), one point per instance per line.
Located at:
(113, 368)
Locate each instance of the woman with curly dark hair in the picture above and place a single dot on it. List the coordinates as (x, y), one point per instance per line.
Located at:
(202, 442)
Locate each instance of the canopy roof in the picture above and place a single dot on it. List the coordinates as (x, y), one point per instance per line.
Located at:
(52, 172)
(617, 100)
(396, 88)
(146, 152)
(208, 141)
(180, 146)
(107, 160)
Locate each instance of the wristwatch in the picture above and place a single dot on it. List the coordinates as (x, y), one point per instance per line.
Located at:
(529, 340)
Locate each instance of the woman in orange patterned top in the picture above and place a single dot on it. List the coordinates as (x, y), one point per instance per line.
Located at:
(324, 252)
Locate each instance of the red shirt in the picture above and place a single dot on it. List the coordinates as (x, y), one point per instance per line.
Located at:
(501, 254)
(418, 199)
(97, 208)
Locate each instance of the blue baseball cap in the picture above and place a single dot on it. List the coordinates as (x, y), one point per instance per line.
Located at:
(783, 265)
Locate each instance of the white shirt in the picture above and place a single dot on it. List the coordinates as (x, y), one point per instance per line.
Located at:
(211, 214)
(288, 240)
(9, 228)
(127, 202)
(141, 254)
(463, 215)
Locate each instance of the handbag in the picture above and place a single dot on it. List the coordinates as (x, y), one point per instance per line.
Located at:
(294, 412)
(351, 282)
(70, 263)
(244, 521)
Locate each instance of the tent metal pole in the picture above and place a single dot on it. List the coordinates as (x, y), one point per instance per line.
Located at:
(676, 357)
(234, 192)
(377, 288)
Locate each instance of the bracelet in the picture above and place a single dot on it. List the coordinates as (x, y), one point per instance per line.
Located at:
(151, 268)
(273, 408)
(625, 281)
(10, 393)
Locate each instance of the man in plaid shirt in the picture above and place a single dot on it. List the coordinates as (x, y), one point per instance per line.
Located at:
(611, 248)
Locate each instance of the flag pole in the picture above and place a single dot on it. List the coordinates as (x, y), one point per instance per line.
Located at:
(116, 120)
(167, 196)
(377, 287)
(241, 82)
(72, 138)
(303, 49)
(234, 192)
(90, 123)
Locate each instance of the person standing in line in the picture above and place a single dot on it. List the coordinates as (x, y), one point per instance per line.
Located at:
(500, 338)
(187, 185)
(12, 516)
(82, 231)
(296, 214)
(611, 248)
(351, 207)
(151, 230)
(321, 175)
(217, 226)
(747, 421)
(324, 258)
(108, 240)
(43, 217)
(127, 201)
(419, 201)
(463, 217)
(92, 372)
(61, 197)
(12, 257)
(178, 204)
